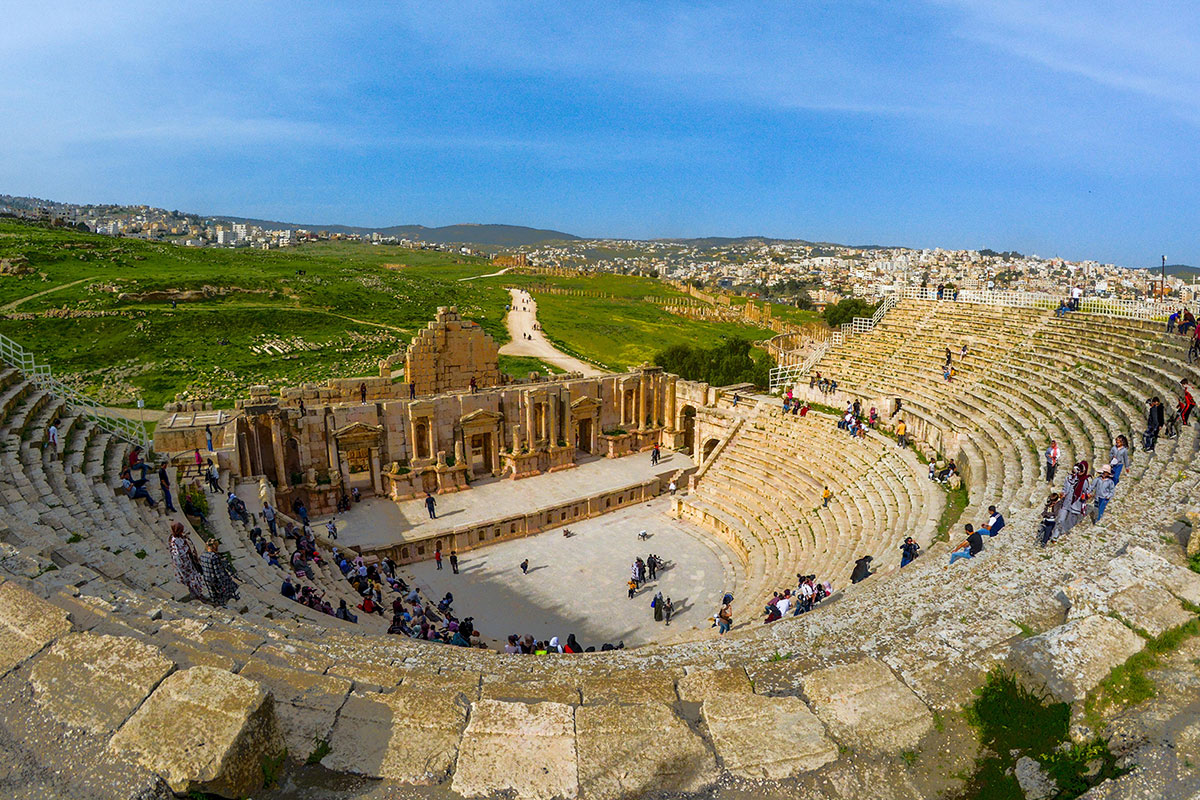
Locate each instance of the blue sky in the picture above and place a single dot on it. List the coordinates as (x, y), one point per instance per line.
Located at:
(1061, 128)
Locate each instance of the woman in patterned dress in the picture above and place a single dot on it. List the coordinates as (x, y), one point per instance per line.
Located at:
(183, 556)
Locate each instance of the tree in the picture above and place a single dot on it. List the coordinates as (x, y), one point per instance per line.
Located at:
(847, 310)
(732, 361)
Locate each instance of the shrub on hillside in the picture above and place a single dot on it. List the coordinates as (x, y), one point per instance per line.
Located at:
(847, 310)
(732, 361)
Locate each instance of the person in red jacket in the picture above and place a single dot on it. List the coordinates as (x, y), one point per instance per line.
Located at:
(1187, 403)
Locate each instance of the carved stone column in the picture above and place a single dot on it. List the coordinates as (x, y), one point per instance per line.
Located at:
(281, 476)
(669, 410)
(641, 401)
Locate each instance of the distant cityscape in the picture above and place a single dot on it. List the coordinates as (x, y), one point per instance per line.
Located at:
(789, 271)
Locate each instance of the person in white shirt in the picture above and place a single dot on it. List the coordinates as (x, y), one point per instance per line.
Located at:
(52, 440)
(784, 604)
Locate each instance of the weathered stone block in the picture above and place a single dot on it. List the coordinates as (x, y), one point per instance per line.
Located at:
(767, 737)
(630, 686)
(700, 684)
(631, 751)
(525, 749)
(95, 682)
(408, 735)
(204, 729)
(1150, 608)
(306, 704)
(27, 624)
(1072, 659)
(867, 707)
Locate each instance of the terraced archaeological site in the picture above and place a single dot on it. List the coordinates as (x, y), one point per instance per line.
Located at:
(1065, 670)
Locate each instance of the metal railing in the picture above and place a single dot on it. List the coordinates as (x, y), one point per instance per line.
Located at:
(785, 374)
(17, 356)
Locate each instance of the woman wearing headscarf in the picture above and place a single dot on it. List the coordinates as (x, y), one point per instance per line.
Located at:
(220, 584)
(555, 647)
(573, 645)
(183, 556)
(1074, 499)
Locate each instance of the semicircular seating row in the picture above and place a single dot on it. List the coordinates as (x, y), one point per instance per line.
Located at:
(101, 559)
(1029, 377)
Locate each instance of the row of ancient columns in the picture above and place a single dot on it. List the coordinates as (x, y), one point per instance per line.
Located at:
(655, 399)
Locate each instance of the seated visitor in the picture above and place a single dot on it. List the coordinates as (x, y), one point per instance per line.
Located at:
(994, 524)
(971, 547)
(909, 551)
(862, 569)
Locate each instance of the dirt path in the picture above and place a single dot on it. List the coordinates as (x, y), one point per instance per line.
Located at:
(521, 322)
(15, 303)
(489, 275)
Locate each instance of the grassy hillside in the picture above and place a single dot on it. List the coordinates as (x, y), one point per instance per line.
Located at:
(98, 310)
(333, 309)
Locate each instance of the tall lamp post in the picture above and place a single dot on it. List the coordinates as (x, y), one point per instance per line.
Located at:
(1162, 292)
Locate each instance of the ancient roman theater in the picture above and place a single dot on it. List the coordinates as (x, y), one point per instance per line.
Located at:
(120, 682)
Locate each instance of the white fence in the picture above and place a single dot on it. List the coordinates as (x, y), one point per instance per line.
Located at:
(16, 356)
(1149, 310)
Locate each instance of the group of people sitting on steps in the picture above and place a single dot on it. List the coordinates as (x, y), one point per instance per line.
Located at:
(973, 544)
(822, 385)
(854, 422)
(808, 592)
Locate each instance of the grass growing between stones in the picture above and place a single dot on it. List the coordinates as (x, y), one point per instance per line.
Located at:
(956, 503)
(1012, 722)
(1130, 683)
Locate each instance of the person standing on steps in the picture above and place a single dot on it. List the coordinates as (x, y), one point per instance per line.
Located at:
(825, 495)
(1051, 461)
(1118, 458)
(164, 483)
(724, 618)
(1187, 403)
(269, 516)
(454, 561)
(52, 441)
(1154, 423)
(412, 390)
(185, 560)
(901, 434)
(431, 505)
(1075, 499)
(1102, 487)
(437, 557)
(218, 581)
(213, 476)
(208, 440)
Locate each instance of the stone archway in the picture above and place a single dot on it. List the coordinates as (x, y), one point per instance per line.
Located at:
(687, 416)
(709, 446)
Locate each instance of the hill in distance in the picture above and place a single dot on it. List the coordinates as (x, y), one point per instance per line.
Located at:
(1176, 270)
(503, 235)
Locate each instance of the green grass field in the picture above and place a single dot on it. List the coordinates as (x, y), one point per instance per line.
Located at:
(279, 317)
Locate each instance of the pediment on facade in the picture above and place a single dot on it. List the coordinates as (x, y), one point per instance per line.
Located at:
(585, 405)
(358, 431)
(481, 417)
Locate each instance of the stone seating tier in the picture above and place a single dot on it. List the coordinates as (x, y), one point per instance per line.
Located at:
(99, 649)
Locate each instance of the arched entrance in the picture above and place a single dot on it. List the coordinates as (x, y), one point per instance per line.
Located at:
(709, 446)
(688, 426)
